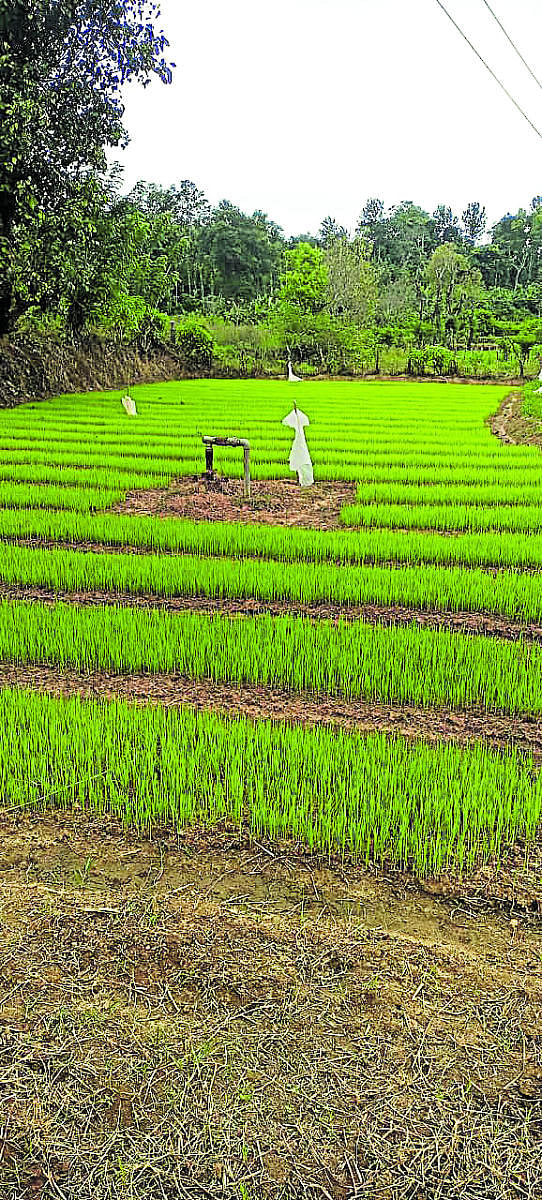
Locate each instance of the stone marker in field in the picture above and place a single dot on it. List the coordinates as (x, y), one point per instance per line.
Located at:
(300, 459)
(129, 405)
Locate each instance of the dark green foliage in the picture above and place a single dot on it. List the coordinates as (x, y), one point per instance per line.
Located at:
(194, 343)
(64, 63)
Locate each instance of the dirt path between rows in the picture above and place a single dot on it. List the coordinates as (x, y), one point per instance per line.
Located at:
(192, 1016)
(276, 704)
(373, 614)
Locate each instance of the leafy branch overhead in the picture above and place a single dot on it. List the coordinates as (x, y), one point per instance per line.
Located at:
(64, 63)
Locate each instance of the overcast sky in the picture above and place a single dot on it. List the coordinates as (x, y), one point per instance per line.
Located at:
(304, 108)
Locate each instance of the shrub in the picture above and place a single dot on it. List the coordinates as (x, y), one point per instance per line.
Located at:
(194, 343)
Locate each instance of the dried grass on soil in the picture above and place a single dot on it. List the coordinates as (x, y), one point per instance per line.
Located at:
(193, 1018)
(272, 502)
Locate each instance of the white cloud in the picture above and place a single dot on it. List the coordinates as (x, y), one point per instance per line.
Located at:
(304, 108)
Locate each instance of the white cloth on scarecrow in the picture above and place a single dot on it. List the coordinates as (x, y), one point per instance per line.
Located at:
(300, 459)
(129, 405)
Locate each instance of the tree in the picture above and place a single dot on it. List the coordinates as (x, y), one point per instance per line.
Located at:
(242, 253)
(330, 232)
(176, 216)
(305, 281)
(446, 225)
(64, 63)
(454, 287)
(372, 212)
(474, 222)
(352, 282)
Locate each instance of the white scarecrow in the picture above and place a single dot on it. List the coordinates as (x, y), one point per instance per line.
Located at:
(300, 459)
(129, 406)
(539, 390)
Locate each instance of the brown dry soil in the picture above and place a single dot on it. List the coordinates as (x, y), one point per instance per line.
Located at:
(198, 1017)
(272, 502)
(263, 703)
(511, 426)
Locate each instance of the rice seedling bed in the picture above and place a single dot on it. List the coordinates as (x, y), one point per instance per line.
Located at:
(424, 588)
(374, 614)
(380, 799)
(64, 463)
(436, 725)
(246, 537)
(394, 664)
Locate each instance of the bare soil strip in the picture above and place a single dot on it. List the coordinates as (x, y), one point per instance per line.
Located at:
(275, 704)
(374, 614)
(272, 502)
(511, 426)
(195, 1017)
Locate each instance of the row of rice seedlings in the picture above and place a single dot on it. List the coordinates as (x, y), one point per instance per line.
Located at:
(501, 476)
(285, 544)
(479, 494)
(403, 665)
(126, 445)
(82, 499)
(377, 798)
(450, 516)
(82, 476)
(147, 463)
(161, 455)
(439, 589)
(156, 470)
(171, 439)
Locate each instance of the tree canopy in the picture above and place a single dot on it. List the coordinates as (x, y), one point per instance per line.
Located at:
(64, 63)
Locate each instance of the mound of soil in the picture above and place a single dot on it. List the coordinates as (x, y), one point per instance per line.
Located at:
(272, 502)
(37, 368)
(512, 427)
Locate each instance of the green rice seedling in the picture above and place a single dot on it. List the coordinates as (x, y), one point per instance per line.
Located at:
(447, 589)
(379, 799)
(514, 518)
(285, 544)
(524, 494)
(398, 665)
(83, 499)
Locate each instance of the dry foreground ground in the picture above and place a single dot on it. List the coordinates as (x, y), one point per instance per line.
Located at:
(198, 1015)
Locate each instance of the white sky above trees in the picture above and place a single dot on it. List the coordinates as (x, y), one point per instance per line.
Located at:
(305, 108)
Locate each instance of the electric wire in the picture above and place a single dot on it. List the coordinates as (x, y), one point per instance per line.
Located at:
(488, 68)
(512, 43)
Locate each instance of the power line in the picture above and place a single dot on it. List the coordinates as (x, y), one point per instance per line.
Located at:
(488, 68)
(513, 44)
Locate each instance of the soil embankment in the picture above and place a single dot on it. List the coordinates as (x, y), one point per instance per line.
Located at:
(35, 369)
